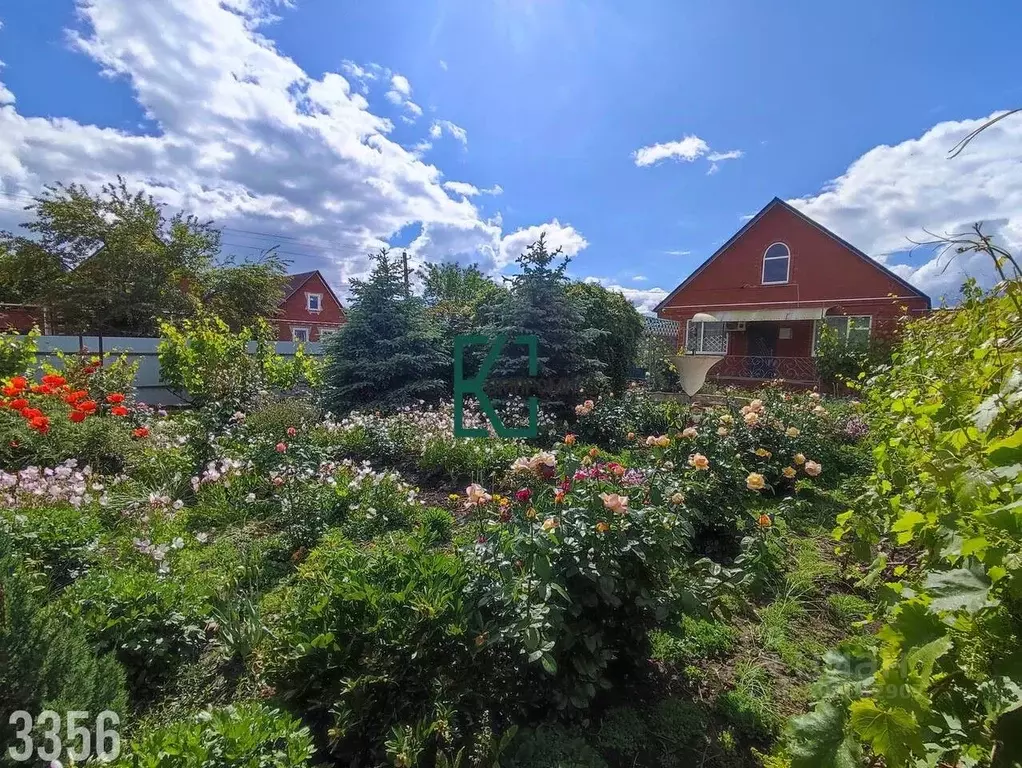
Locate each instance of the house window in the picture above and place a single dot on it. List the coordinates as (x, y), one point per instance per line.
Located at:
(299, 335)
(853, 329)
(314, 302)
(776, 260)
(706, 338)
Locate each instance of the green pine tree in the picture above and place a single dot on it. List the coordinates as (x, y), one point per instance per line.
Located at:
(46, 660)
(387, 355)
(619, 329)
(538, 305)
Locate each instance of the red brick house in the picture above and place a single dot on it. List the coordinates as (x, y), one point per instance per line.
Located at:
(760, 300)
(310, 310)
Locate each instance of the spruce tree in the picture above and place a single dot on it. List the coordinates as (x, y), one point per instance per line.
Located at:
(387, 355)
(538, 305)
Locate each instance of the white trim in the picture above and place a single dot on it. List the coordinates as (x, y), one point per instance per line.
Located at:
(787, 268)
(294, 331)
(702, 333)
(808, 302)
(308, 302)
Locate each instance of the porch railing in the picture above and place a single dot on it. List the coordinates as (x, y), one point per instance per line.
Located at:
(794, 369)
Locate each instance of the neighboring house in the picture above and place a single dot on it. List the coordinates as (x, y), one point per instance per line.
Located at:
(310, 310)
(21, 318)
(760, 300)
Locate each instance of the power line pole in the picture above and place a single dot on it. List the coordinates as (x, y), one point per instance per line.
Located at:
(407, 272)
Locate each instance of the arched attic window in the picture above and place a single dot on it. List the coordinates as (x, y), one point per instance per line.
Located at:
(776, 264)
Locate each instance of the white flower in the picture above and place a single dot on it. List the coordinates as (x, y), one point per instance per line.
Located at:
(202, 538)
(250, 498)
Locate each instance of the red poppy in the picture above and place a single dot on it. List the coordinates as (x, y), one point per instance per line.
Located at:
(10, 391)
(114, 398)
(54, 380)
(88, 370)
(87, 406)
(19, 382)
(40, 424)
(118, 410)
(42, 389)
(77, 416)
(31, 413)
(73, 397)
(141, 432)
(19, 403)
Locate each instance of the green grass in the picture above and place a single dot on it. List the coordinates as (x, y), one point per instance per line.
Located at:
(693, 640)
(749, 707)
(845, 610)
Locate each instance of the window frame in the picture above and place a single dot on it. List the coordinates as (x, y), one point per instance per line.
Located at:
(308, 302)
(702, 336)
(294, 333)
(848, 324)
(787, 269)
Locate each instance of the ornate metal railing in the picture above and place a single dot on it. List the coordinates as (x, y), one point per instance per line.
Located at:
(794, 369)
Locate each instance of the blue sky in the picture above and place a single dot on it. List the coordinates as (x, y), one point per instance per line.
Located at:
(334, 128)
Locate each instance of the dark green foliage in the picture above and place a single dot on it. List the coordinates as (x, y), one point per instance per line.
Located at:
(610, 422)
(847, 609)
(618, 326)
(676, 723)
(623, 732)
(241, 294)
(365, 638)
(437, 524)
(245, 735)
(748, 707)
(274, 418)
(387, 355)
(538, 305)
(46, 661)
(552, 746)
(459, 299)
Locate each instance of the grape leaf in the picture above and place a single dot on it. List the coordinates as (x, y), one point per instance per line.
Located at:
(817, 739)
(958, 589)
(892, 733)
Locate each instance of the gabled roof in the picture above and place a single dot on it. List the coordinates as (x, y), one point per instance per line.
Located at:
(296, 281)
(749, 224)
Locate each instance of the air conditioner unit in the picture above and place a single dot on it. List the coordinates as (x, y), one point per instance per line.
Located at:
(735, 325)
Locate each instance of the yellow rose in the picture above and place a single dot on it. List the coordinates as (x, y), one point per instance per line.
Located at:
(751, 418)
(792, 432)
(602, 527)
(763, 453)
(698, 461)
(550, 523)
(755, 481)
(800, 458)
(788, 472)
(678, 498)
(663, 441)
(689, 433)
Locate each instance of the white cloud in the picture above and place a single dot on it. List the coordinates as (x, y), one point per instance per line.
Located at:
(894, 193)
(247, 138)
(443, 65)
(440, 127)
(678, 253)
(461, 188)
(639, 278)
(643, 299)
(688, 149)
(400, 84)
(470, 190)
(565, 237)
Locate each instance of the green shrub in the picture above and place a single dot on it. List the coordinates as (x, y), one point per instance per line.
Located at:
(245, 735)
(152, 624)
(46, 660)
(366, 638)
(553, 746)
(17, 352)
(623, 731)
(274, 418)
(676, 724)
(437, 524)
(695, 639)
(612, 419)
(56, 539)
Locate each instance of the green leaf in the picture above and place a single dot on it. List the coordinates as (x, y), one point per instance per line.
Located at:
(817, 739)
(960, 589)
(1007, 450)
(549, 664)
(905, 525)
(892, 733)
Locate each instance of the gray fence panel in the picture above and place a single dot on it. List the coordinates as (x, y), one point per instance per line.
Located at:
(151, 389)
